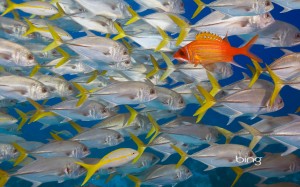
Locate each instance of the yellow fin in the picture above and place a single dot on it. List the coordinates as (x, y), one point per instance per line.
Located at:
(128, 46)
(83, 92)
(200, 7)
(298, 110)
(155, 69)
(133, 114)
(32, 28)
(256, 73)
(165, 39)
(40, 113)
(23, 118)
(10, 7)
(183, 155)
(60, 13)
(93, 76)
(209, 101)
(121, 32)
(4, 177)
(65, 56)
(255, 133)
(156, 129)
(170, 67)
(239, 172)
(135, 179)
(228, 135)
(57, 41)
(278, 84)
(184, 28)
(91, 170)
(76, 126)
(56, 137)
(110, 177)
(208, 36)
(16, 15)
(215, 85)
(141, 147)
(22, 156)
(134, 16)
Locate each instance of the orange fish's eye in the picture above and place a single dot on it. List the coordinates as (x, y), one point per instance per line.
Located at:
(181, 53)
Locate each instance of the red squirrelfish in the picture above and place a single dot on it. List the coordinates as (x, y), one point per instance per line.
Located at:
(209, 48)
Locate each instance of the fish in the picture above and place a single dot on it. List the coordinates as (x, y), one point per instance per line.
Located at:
(209, 48)
(287, 5)
(175, 6)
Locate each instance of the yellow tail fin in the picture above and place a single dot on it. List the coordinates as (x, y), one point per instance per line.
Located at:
(32, 28)
(209, 101)
(239, 172)
(76, 126)
(133, 114)
(170, 67)
(57, 40)
(155, 69)
(93, 76)
(23, 154)
(183, 155)
(228, 135)
(141, 147)
(56, 137)
(121, 32)
(16, 15)
(200, 7)
(84, 93)
(256, 73)
(215, 84)
(165, 39)
(91, 170)
(40, 112)
(134, 16)
(10, 7)
(128, 46)
(201, 102)
(184, 28)
(23, 118)
(35, 70)
(65, 56)
(278, 84)
(155, 128)
(254, 132)
(135, 179)
(4, 177)
(60, 13)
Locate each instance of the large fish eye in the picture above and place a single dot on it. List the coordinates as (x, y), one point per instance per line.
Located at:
(181, 101)
(298, 35)
(152, 91)
(119, 136)
(127, 62)
(44, 90)
(70, 88)
(104, 110)
(250, 154)
(125, 53)
(68, 170)
(267, 15)
(267, 3)
(15, 151)
(30, 57)
(85, 149)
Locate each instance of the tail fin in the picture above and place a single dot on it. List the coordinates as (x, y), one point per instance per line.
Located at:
(239, 172)
(23, 154)
(76, 126)
(155, 69)
(133, 114)
(4, 177)
(245, 50)
(56, 137)
(65, 56)
(201, 102)
(23, 118)
(170, 67)
(40, 112)
(255, 133)
(155, 129)
(57, 40)
(256, 73)
(183, 155)
(278, 84)
(228, 135)
(35, 70)
(200, 7)
(134, 16)
(10, 7)
(141, 147)
(121, 32)
(60, 13)
(165, 39)
(215, 84)
(32, 28)
(135, 179)
(16, 15)
(209, 101)
(184, 28)
(91, 170)
(84, 93)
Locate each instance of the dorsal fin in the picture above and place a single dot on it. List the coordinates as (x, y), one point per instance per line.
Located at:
(208, 36)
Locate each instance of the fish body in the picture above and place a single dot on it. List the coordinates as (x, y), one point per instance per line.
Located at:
(171, 6)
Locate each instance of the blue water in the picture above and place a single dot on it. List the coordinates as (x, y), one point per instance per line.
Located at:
(221, 177)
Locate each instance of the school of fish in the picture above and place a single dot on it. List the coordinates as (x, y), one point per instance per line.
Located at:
(100, 89)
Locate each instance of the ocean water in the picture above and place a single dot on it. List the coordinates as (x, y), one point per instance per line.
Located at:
(221, 177)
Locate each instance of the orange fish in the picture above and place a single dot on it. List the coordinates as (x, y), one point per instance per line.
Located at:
(209, 48)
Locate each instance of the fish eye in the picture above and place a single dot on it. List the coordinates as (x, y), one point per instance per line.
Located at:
(280, 101)
(181, 52)
(104, 110)
(68, 170)
(298, 35)
(70, 87)
(267, 3)
(181, 101)
(85, 149)
(127, 62)
(54, 52)
(125, 53)
(267, 15)
(30, 57)
(184, 145)
(250, 154)
(152, 91)
(73, 67)
(133, 153)
(44, 90)
(119, 136)
(15, 151)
